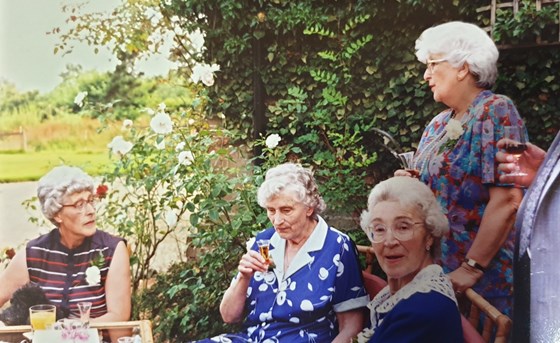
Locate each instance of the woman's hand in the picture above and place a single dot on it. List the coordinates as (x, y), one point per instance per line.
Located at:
(407, 172)
(464, 277)
(250, 263)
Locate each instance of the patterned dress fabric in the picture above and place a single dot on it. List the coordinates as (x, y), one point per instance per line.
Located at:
(60, 271)
(300, 306)
(424, 310)
(460, 173)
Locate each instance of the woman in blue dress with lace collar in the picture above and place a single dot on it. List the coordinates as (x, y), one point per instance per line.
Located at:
(312, 289)
(405, 224)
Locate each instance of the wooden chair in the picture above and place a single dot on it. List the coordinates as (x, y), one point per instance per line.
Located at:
(494, 320)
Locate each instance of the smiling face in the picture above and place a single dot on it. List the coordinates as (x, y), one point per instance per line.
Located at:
(401, 260)
(75, 225)
(291, 219)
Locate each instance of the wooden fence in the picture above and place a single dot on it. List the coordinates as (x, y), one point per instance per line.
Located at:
(15, 140)
(515, 6)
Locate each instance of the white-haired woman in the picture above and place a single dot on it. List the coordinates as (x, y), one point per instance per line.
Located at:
(405, 223)
(59, 261)
(315, 292)
(456, 159)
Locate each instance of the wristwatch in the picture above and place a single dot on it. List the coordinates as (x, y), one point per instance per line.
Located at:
(472, 263)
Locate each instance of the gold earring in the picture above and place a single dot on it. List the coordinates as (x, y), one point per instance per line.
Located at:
(428, 248)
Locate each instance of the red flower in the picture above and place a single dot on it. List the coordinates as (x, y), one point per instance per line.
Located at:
(102, 191)
(10, 253)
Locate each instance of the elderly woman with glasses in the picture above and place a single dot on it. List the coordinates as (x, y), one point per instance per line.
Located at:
(75, 262)
(311, 288)
(456, 159)
(405, 223)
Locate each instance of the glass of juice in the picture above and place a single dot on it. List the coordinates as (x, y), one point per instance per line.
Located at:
(42, 316)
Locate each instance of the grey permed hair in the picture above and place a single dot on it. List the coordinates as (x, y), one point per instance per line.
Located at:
(293, 178)
(57, 183)
(461, 43)
(411, 193)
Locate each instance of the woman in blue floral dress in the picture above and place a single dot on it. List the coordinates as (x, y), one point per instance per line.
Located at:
(313, 290)
(456, 158)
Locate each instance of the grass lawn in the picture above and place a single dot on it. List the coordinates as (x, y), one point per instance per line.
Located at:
(30, 166)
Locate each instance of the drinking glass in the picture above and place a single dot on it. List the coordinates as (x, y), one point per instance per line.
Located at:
(126, 339)
(264, 249)
(264, 245)
(407, 159)
(85, 308)
(515, 145)
(42, 316)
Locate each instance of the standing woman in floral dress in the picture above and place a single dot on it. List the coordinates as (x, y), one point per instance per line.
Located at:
(456, 159)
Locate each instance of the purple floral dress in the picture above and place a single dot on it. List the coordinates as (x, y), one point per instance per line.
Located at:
(459, 172)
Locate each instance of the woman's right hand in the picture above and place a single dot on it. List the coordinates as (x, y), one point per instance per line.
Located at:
(250, 263)
(407, 172)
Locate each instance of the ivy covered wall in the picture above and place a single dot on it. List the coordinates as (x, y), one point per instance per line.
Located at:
(326, 74)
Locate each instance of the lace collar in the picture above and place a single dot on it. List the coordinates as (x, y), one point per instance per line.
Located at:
(431, 278)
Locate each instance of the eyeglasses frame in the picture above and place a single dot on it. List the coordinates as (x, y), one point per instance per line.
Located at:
(431, 64)
(370, 228)
(91, 200)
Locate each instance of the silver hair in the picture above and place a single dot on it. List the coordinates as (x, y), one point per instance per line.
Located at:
(295, 179)
(410, 193)
(56, 184)
(461, 43)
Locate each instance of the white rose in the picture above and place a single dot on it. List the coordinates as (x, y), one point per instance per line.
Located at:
(127, 124)
(272, 141)
(197, 40)
(205, 73)
(185, 158)
(119, 146)
(161, 123)
(454, 129)
(93, 275)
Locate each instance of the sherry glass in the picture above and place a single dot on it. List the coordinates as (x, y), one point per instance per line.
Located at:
(516, 143)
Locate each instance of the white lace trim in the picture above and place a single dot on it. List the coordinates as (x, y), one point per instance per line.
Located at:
(431, 278)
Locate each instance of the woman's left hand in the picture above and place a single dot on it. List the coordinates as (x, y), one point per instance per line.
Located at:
(464, 277)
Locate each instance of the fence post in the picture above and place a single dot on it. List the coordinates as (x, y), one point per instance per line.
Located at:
(23, 138)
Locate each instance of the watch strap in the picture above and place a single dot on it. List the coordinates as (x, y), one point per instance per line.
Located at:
(472, 263)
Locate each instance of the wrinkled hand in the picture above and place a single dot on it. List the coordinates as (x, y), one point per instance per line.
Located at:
(464, 277)
(529, 162)
(250, 263)
(406, 172)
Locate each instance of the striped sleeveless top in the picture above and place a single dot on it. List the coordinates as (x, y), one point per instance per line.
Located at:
(60, 271)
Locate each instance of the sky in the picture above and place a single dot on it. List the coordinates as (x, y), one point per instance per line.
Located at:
(27, 56)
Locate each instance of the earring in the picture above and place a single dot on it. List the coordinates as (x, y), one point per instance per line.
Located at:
(428, 248)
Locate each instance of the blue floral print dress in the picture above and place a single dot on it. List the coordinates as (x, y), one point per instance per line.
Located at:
(460, 171)
(323, 278)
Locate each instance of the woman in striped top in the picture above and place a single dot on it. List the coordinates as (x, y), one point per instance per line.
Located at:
(74, 262)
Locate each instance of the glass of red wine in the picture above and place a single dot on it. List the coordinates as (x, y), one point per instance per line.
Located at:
(516, 143)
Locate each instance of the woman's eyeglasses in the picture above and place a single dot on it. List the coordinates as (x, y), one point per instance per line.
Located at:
(402, 230)
(81, 204)
(431, 64)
